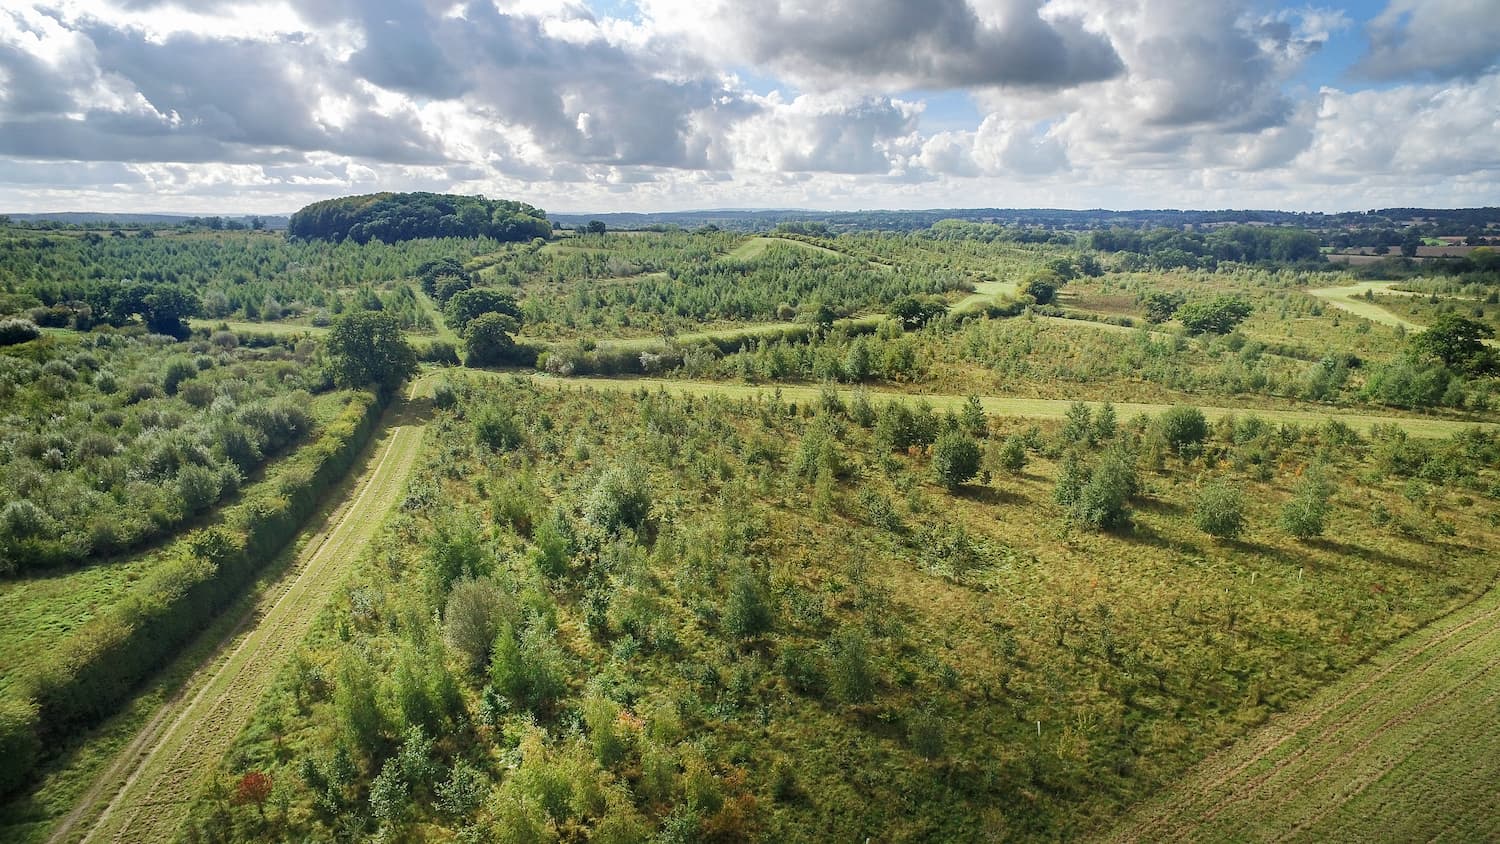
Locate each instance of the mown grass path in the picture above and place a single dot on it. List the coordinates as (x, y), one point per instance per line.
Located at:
(1009, 406)
(143, 794)
(1345, 299)
(1401, 749)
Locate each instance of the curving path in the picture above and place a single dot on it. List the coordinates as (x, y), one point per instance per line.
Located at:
(144, 793)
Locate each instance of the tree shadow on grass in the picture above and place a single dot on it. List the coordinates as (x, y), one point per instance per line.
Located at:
(991, 495)
(1160, 507)
(1139, 533)
(1346, 549)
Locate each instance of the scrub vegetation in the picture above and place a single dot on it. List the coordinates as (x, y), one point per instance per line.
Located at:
(951, 531)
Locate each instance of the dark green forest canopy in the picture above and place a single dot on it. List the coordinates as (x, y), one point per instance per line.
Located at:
(392, 217)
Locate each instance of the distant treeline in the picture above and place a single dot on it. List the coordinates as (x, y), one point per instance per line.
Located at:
(1170, 248)
(93, 221)
(393, 217)
(1449, 221)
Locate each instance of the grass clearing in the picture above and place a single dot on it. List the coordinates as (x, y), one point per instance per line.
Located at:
(755, 247)
(1401, 749)
(984, 293)
(1346, 299)
(277, 329)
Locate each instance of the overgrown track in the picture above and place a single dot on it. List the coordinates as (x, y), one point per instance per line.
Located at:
(1401, 749)
(1008, 406)
(145, 791)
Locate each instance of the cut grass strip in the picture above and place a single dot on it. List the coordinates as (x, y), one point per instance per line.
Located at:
(1401, 749)
(145, 792)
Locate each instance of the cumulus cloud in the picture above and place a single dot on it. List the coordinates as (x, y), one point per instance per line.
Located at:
(693, 103)
(894, 43)
(828, 134)
(1430, 131)
(1432, 39)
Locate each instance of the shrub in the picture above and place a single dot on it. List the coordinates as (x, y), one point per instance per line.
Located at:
(1103, 502)
(179, 369)
(23, 518)
(530, 668)
(197, 393)
(1305, 515)
(140, 391)
(1042, 286)
(495, 427)
(747, 612)
(853, 676)
(13, 331)
(438, 351)
(455, 549)
(444, 395)
(1220, 511)
(1218, 315)
(1011, 455)
(620, 499)
(468, 305)
(198, 487)
(1182, 427)
(955, 459)
(1160, 306)
(475, 612)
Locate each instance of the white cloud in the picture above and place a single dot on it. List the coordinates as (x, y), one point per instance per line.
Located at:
(262, 105)
(1433, 39)
(883, 44)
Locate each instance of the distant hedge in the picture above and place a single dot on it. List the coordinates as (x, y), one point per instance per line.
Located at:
(204, 572)
(392, 217)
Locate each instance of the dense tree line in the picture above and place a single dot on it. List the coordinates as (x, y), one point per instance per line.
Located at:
(1164, 248)
(393, 217)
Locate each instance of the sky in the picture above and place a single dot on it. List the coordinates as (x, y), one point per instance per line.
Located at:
(262, 106)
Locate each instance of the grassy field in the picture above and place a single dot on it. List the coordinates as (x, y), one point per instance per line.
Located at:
(984, 293)
(1345, 299)
(1007, 406)
(1401, 749)
(279, 329)
(1037, 689)
(733, 603)
(434, 313)
(755, 247)
(143, 795)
